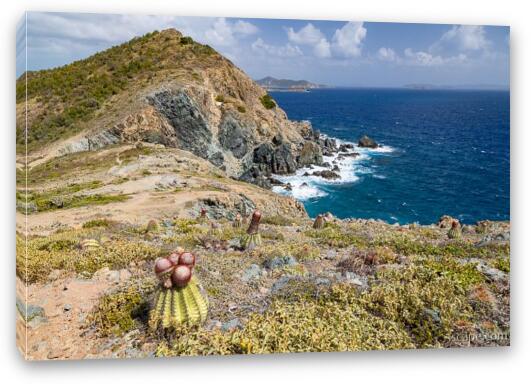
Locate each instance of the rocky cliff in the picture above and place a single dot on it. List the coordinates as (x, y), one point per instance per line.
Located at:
(179, 94)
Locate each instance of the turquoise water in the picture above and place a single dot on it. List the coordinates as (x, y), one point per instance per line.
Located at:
(444, 152)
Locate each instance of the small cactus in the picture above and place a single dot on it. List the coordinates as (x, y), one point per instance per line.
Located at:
(179, 300)
(455, 230)
(238, 221)
(252, 238)
(215, 230)
(202, 214)
(90, 245)
(319, 222)
(152, 226)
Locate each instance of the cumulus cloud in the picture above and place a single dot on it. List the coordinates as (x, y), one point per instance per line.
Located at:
(322, 49)
(426, 59)
(311, 36)
(462, 38)
(287, 50)
(387, 54)
(308, 35)
(224, 33)
(347, 40)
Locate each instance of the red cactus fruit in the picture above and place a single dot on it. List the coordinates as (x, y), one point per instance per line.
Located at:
(181, 276)
(255, 221)
(162, 266)
(173, 258)
(203, 212)
(187, 259)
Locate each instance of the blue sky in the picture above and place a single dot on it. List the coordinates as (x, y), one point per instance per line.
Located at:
(341, 53)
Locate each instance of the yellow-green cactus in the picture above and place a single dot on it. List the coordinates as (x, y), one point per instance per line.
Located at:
(455, 231)
(251, 241)
(252, 238)
(90, 245)
(176, 306)
(319, 222)
(152, 226)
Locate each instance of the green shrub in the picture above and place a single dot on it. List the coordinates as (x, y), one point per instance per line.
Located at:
(119, 311)
(186, 40)
(268, 102)
(97, 223)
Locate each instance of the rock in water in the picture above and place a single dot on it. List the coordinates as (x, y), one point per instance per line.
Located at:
(326, 174)
(366, 142)
(310, 154)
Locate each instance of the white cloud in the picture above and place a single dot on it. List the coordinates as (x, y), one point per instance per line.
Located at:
(287, 50)
(462, 38)
(425, 59)
(387, 54)
(311, 36)
(322, 48)
(244, 28)
(224, 33)
(347, 41)
(308, 35)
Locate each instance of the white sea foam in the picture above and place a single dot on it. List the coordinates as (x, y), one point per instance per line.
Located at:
(350, 169)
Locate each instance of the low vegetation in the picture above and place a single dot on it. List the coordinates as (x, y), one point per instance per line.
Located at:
(410, 290)
(268, 102)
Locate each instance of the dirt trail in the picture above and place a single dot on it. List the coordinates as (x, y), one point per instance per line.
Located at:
(60, 333)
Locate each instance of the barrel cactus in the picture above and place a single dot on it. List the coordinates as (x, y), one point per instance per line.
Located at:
(152, 226)
(238, 222)
(215, 230)
(90, 245)
(455, 230)
(319, 222)
(202, 215)
(252, 238)
(179, 300)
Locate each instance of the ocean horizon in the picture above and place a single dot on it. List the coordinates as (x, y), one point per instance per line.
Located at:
(442, 152)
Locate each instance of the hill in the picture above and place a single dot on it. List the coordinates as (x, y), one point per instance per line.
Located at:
(161, 88)
(271, 83)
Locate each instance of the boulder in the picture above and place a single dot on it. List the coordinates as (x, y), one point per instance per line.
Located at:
(310, 154)
(280, 262)
(277, 160)
(326, 174)
(345, 147)
(366, 142)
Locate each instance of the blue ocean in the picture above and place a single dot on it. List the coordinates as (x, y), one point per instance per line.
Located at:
(442, 152)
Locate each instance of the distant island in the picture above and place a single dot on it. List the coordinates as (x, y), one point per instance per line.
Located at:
(273, 84)
(493, 87)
